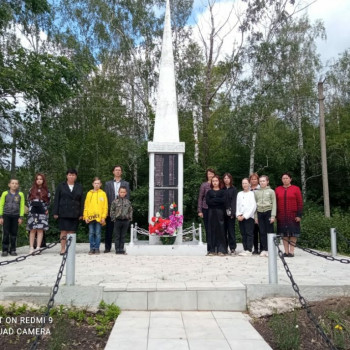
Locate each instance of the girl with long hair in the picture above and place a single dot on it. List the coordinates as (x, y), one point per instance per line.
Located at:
(38, 211)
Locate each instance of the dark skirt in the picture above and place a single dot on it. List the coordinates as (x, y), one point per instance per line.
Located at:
(216, 228)
(68, 224)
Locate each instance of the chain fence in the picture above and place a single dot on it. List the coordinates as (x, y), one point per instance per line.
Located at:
(341, 236)
(302, 300)
(316, 253)
(36, 252)
(53, 293)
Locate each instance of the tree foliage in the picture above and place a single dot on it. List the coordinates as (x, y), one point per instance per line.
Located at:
(78, 82)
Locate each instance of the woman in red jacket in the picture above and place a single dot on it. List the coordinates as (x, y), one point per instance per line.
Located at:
(289, 212)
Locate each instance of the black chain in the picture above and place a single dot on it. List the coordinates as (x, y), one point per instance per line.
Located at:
(54, 292)
(316, 253)
(302, 299)
(36, 252)
(343, 238)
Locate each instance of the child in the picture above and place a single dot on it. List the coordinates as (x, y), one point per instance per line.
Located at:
(121, 214)
(265, 212)
(95, 213)
(11, 214)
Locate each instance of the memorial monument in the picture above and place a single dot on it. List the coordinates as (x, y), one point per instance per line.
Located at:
(166, 151)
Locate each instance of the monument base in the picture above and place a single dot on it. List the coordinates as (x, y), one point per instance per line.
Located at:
(184, 249)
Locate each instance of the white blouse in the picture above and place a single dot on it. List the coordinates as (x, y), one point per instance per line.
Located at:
(246, 204)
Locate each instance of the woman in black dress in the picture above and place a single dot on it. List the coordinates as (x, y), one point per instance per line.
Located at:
(215, 199)
(230, 214)
(69, 206)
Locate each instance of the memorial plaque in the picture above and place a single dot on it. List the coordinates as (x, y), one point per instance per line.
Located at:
(166, 169)
(165, 181)
(164, 197)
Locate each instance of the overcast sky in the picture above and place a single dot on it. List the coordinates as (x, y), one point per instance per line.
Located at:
(335, 15)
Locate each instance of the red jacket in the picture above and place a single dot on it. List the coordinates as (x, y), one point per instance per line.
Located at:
(289, 206)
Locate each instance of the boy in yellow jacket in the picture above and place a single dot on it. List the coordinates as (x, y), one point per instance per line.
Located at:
(95, 213)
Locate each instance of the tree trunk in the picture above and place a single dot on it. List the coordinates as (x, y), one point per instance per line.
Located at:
(195, 135)
(252, 154)
(302, 155)
(13, 152)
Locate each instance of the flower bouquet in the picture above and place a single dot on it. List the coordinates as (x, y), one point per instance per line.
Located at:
(166, 226)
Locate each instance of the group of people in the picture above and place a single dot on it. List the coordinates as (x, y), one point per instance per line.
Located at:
(111, 208)
(256, 208)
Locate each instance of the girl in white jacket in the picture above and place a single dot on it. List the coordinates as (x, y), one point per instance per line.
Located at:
(245, 209)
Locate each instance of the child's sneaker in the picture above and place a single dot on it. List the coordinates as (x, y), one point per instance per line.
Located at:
(13, 253)
(97, 251)
(245, 253)
(91, 252)
(5, 253)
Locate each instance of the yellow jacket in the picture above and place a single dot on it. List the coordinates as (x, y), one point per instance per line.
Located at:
(96, 206)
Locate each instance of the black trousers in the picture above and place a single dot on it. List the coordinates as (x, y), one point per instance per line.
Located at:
(109, 233)
(256, 237)
(206, 226)
(247, 231)
(230, 230)
(9, 236)
(120, 229)
(265, 227)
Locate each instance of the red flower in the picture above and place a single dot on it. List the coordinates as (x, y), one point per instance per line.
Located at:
(177, 213)
(162, 207)
(174, 205)
(153, 219)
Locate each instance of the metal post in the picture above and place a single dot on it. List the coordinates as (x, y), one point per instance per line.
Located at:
(194, 239)
(135, 232)
(273, 279)
(200, 234)
(333, 242)
(70, 263)
(131, 235)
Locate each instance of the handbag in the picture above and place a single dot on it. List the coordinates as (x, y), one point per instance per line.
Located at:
(37, 208)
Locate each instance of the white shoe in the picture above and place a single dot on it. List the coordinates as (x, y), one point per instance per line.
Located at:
(31, 250)
(263, 253)
(245, 253)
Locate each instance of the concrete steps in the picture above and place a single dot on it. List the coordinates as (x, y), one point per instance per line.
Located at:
(189, 296)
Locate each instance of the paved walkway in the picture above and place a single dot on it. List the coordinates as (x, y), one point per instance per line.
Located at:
(130, 275)
(186, 330)
(119, 270)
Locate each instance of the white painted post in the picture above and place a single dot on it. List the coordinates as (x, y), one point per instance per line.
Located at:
(70, 263)
(131, 235)
(151, 187)
(194, 239)
(272, 249)
(180, 189)
(334, 242)
(135, 232)
(200, 234)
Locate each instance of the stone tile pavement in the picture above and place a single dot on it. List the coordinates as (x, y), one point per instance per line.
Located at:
(186, 330)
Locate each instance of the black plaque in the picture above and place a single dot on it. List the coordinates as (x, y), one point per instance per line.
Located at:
(165, 182)
(166, 170)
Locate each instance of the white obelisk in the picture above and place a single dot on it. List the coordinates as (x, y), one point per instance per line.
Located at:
(166, 151)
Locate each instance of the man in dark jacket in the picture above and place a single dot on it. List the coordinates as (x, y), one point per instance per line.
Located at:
(112, 190)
